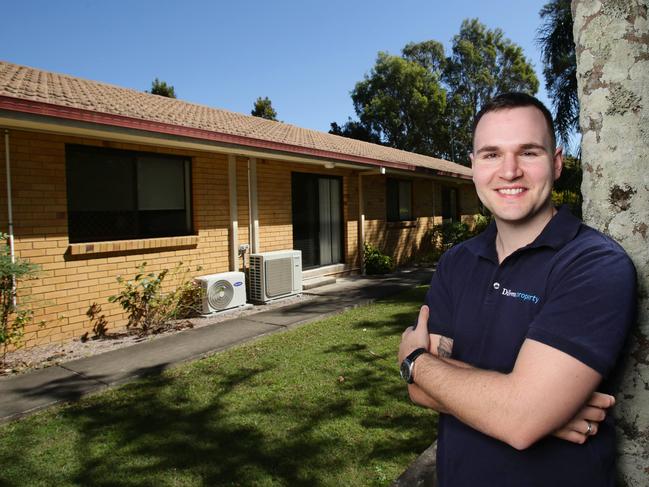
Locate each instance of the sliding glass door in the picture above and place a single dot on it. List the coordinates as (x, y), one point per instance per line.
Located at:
(317, 218)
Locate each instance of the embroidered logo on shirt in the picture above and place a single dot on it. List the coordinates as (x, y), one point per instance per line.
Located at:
(522, 296)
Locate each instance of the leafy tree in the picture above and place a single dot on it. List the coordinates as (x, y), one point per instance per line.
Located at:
(555, 39)
(402, 104)
(162, 88)
(425, 101)
(263, 108)
(482, 64)
(567, 189)
(428, 54)
(353, 129)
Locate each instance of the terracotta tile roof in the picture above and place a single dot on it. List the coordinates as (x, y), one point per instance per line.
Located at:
(59, 90)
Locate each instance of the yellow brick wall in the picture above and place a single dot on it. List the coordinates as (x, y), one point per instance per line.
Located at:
(275, 210)
(469, 204)
(274, 205)
(73, 277)
(407, 240)
(350, 219)
(68, 284)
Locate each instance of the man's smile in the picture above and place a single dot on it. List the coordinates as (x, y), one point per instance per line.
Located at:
(511, 191)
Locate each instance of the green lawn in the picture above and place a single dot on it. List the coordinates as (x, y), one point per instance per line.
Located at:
(319, 405)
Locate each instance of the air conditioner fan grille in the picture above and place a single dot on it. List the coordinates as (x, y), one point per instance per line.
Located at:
(219, 294)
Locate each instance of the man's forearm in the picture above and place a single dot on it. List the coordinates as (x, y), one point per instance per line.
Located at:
(418, 396)
(546, 388)
(505, 406)
(452, 390)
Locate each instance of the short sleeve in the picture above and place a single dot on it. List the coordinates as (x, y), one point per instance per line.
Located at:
(589, 307)
(439, 300)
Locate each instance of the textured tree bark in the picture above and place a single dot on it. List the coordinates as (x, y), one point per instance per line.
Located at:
(612, 45)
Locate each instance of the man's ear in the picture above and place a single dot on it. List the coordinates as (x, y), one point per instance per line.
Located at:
(471, 159)
(557, 162)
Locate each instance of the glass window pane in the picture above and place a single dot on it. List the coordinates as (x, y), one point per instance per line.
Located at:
(405, 200)
(336, 221)
(453, 197)
(162, 223)
(100, 181)
(161, 183)
(392, 199)
(104, 187)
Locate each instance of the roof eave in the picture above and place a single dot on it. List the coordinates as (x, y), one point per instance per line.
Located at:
(34, 107)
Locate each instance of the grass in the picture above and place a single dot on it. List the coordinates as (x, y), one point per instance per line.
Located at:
(319, 405)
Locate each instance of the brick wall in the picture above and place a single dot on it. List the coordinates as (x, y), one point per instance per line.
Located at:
(469, 204)
(275, 212)
(408, 240)
(73, 277)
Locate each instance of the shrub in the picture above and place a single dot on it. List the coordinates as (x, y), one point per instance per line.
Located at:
(448, 234)
(375, 261)
(150, 310)
(187, 299)
(480, 223)
(570, 198)
(14, 315)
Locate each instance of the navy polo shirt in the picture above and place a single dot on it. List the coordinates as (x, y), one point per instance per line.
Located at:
(573, 289)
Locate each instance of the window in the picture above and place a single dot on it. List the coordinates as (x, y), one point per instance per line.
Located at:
(399, 200)
(449, 204)
(120, 195)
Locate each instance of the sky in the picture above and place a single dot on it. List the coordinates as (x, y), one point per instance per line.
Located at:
(305, 55)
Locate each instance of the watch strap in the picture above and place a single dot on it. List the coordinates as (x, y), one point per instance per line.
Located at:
(408, 364)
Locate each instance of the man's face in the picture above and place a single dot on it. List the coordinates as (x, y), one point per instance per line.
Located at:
(515, 165)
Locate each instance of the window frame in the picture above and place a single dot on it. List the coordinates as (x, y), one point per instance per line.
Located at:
(131, 160)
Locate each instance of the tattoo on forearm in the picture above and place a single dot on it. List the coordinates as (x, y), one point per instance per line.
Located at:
(445, 347)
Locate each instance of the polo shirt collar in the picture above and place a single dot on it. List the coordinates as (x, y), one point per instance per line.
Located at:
(484, 245)
(560, 230)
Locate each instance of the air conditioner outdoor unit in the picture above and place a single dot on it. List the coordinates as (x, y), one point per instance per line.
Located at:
(222, 291)
(274, 275)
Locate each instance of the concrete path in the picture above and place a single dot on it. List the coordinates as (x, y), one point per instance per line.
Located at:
(33, 391)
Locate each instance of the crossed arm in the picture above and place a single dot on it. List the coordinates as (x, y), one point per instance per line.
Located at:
(547, 392)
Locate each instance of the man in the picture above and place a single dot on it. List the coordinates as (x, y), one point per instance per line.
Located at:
(524, 323)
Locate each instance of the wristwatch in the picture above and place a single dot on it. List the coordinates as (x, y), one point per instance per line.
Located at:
(408, 364)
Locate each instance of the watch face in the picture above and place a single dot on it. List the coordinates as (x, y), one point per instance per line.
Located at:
(405, 370)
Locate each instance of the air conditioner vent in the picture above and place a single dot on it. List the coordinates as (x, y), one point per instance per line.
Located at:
(220, 294)
(279, 277)
(275, 275)
(222, 291)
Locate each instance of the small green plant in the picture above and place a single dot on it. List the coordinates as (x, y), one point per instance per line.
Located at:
(14, 315)
(150, 310)
(375, 261)
(187, 299)
(448, 234)
(480, 223)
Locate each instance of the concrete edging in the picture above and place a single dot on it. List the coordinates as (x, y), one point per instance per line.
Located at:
(422, 472)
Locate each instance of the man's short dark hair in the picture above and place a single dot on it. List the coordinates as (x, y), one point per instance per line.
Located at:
(506, 101)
